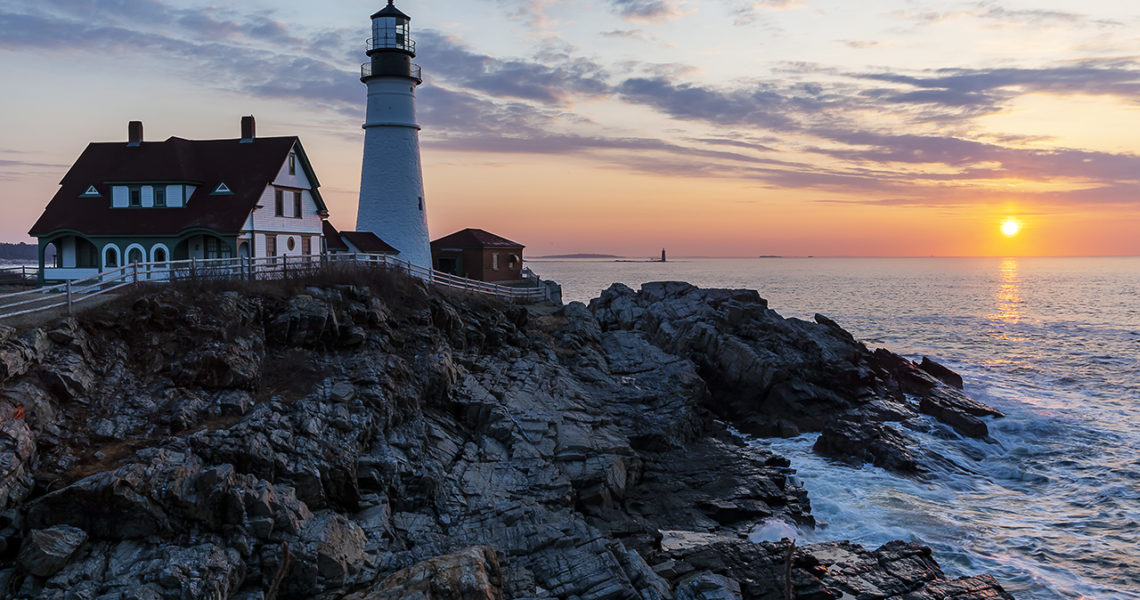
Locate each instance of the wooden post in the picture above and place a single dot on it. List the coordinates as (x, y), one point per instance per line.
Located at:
(193, 268)
(135, 270)
(69, 297)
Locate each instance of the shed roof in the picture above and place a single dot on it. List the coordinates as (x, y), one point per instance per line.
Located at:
(367, 241)
(245, 168)
(474, 238)
(332, 237)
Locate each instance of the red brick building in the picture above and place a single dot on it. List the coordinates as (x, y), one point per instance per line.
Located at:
(478, 254)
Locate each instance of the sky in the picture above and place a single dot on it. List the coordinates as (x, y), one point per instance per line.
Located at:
(710, 128)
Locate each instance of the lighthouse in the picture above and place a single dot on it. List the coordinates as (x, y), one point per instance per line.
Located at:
(391, 180)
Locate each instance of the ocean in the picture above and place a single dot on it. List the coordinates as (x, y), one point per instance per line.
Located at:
(1051, 504)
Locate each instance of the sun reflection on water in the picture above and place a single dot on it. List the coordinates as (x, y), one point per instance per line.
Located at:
(1007, 298)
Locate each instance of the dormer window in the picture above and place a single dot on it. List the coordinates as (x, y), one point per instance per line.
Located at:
(222, 190)
(292, 163)
(91, 193)
(134, 197)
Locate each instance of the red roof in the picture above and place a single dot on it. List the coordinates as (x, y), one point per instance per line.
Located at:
(474, 238)
(246, 169)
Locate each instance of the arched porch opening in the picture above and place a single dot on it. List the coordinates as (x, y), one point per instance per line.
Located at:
(203, 246)
(135, 254)
(111, 257)
(159, 253)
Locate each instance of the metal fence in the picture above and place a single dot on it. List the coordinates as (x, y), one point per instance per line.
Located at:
(72, 293)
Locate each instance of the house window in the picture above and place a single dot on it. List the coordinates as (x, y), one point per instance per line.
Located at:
(421, 198)
(306, 245)
(135, 256)
(495, 261)
(211, 247)
(271, 245)
(292, 164)
(160, 196)
(297, 205)
(159, 255)
(279, 204)
(135, 197)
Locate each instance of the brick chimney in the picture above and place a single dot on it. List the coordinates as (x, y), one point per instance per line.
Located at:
(134, 134)
(248, 129)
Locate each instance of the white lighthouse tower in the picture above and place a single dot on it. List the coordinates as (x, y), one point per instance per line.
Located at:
(391, 181)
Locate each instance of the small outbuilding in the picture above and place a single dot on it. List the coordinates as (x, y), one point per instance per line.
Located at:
(355, 242)
(478, 254)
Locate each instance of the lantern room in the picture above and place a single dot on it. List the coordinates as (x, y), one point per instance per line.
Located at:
(391, 31)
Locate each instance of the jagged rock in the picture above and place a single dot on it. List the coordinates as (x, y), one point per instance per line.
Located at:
(707, 586)
(861, 442)
(896, 571)
(17, 451)
(471, 574)
(941, 373)
(224, 439)
(68, 375)
(46, 551)
(167, 498)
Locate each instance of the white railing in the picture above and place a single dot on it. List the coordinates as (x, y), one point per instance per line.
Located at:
(72, 293)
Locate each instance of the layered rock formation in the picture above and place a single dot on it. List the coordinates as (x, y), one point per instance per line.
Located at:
(348, 441)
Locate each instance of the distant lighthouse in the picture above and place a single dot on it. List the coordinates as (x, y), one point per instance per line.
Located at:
(391, 180)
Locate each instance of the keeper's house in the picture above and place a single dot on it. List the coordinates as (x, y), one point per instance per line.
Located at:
(179, 199)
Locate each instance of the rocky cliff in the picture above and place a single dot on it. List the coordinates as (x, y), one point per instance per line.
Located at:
(387, 441)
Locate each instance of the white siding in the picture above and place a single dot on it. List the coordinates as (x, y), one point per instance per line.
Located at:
(174, 196)
(295, 181)
(148, 196)
(264, 219)
(119, 196)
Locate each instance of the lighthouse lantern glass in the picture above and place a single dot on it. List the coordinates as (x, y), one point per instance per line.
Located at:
(390, 32)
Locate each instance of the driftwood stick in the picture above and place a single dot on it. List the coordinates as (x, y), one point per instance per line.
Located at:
(788, 593)
(281, 571)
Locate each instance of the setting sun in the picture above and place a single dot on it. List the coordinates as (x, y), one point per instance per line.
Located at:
(1010, 227)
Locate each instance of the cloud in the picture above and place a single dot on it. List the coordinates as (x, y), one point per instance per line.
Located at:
(646, 10)
(747, 13)
(997, 15)
(859, 44)
(633, 34)
(557, 81)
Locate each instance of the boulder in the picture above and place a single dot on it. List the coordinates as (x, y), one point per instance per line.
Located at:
(46, 551)
(470, 574)
(17, 452)
(858, 442)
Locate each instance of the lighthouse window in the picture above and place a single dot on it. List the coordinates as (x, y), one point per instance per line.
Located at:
(297, 205)
(279, 203)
